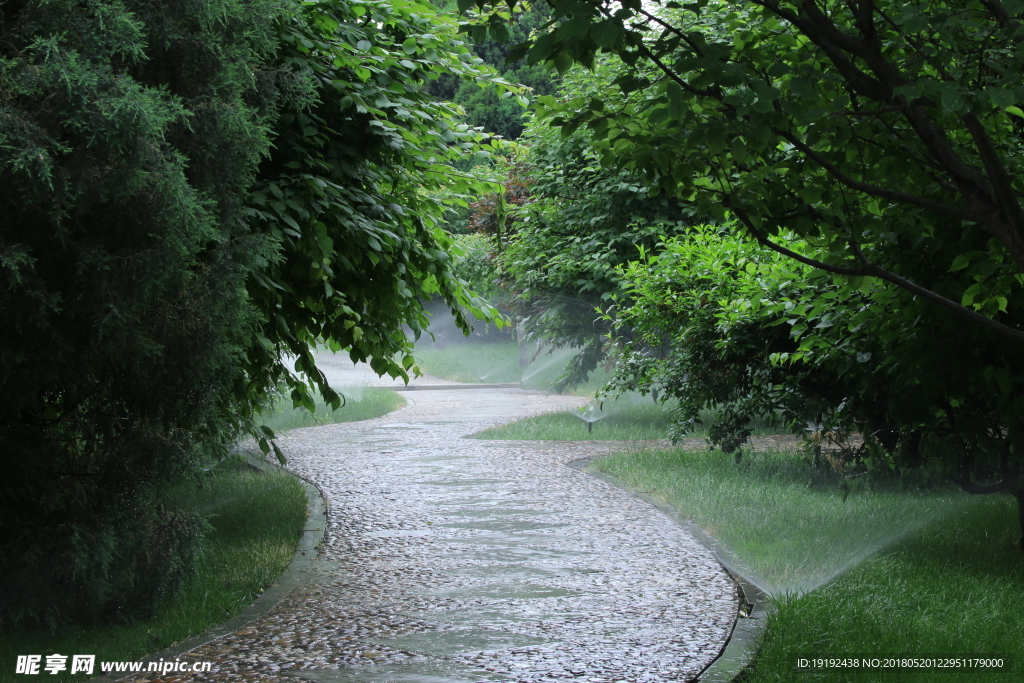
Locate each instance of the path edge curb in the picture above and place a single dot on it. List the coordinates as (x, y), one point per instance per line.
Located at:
(294, 575)
(741, 647)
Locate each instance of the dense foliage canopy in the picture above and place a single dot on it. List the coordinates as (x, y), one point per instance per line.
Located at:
(351, 191)
(192, 193)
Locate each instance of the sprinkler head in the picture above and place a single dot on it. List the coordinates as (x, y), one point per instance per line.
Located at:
(590, 427)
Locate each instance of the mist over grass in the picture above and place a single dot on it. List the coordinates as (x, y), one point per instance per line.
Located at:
(361, 403)
(787, 522)
(255, 520)
(885, 572)
(496, 362)
(951, 588)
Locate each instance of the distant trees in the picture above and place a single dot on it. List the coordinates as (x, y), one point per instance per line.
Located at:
(191, 193)
(484, 107)
(559, 230)
(580, 222)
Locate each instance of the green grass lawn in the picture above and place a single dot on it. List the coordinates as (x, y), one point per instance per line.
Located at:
(361, 403)
(629, 418)
(498, 362)
(634, 422)
(884, 572)
(255, 519)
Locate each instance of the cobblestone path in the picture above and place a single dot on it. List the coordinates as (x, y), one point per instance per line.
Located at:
(450, 560)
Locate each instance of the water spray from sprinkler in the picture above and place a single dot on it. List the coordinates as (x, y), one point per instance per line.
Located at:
(587, 414)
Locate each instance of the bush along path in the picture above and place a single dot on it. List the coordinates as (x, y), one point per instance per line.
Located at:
(451, 559)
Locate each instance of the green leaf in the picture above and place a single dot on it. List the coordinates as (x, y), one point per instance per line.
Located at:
(607, 33)
(1001, 97)
(960, 262)
(541, 49)
(676, 100)
(563, 62)
(970, 294)
(499, 33)
(952, 99)
(572, 28)
(801, 88)
(516, 53)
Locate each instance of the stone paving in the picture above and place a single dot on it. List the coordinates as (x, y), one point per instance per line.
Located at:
(451, 560)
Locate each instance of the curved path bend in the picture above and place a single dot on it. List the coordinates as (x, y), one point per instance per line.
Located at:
(453, 560)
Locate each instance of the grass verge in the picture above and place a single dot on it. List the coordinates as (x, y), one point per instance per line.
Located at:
(640, 422)
(885, 572)
(631, 418)
(361, 403)
(255, 520)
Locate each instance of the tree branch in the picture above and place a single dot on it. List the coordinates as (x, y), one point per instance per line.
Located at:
(1013, 237)
(945, 209)
(778, 248)
(1000, 13)
(672, 29)
(935, 298)
(672, 75)
(834, 43)
(870, 269)
(870, 112)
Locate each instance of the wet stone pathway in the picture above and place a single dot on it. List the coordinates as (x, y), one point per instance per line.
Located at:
(450, 560)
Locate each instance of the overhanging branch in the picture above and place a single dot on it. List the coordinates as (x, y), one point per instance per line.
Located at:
(873, 270)
(874, 190)
(763, 240)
